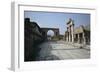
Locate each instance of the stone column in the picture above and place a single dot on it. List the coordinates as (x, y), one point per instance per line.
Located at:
(84, 39)
(78, 38)
(72, 33)
(69, 34)
(67, 37)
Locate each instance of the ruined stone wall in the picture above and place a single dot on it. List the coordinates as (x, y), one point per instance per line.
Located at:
(32, 38)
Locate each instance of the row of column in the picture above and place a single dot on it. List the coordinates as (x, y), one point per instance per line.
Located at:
(81, 39)
(70, 34)
(70, 38)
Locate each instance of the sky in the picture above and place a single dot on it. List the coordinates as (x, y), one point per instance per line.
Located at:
(57, 19)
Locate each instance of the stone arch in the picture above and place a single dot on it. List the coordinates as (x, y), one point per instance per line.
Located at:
(50, 33)
(45, 31)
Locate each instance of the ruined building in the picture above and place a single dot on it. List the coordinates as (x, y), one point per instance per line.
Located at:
(80, 34)
(32, 38)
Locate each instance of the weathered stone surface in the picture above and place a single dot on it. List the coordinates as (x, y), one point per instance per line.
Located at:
(61, 51)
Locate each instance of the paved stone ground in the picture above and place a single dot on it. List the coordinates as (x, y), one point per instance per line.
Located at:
(61, 50)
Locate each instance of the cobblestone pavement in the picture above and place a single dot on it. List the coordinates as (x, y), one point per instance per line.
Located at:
(61, 50)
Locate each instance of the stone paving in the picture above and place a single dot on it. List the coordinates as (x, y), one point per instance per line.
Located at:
(61, 50)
